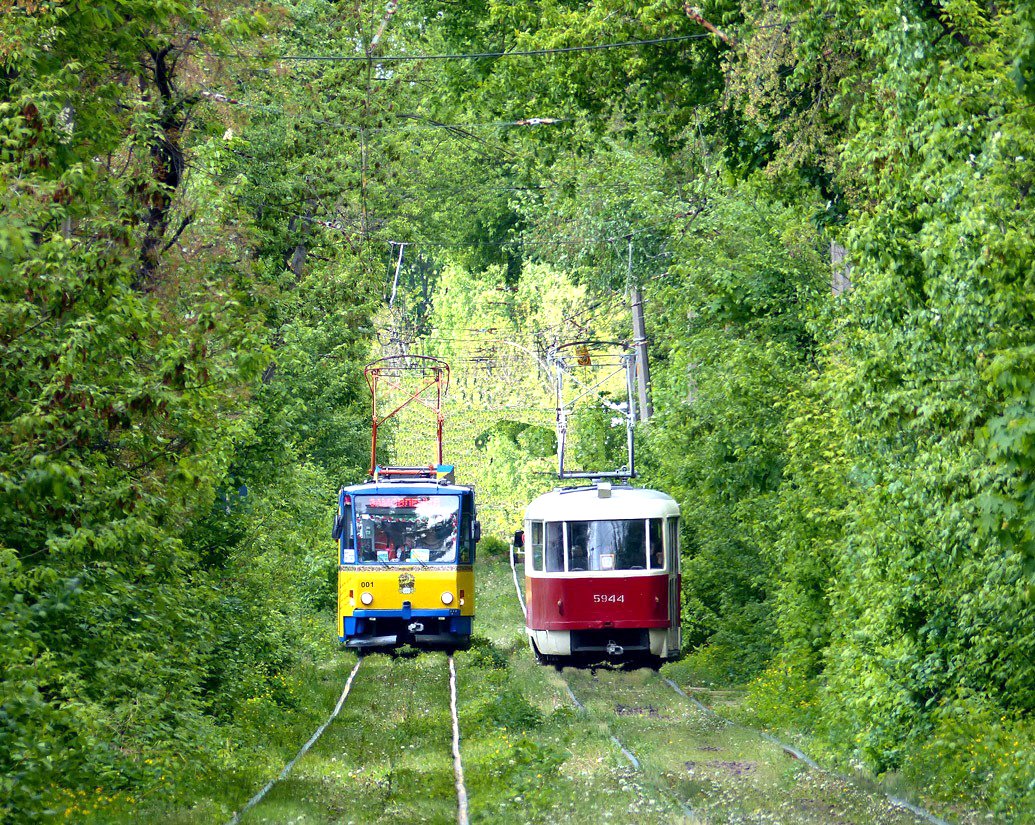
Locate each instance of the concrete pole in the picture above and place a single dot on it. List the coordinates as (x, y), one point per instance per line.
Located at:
(640, 343)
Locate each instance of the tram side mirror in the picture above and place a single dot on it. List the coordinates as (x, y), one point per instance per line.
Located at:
(477, 531)
(519, 539)
(336, 528)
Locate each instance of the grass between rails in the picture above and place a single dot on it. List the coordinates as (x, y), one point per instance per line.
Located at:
(531, 757)
(386, 758)
(783, 709)
(724, 773)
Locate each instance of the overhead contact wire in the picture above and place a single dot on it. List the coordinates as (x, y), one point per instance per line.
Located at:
(404, 58)
(409, 58)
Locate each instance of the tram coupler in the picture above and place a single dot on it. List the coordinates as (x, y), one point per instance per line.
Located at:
(614, 649)
(415, 627)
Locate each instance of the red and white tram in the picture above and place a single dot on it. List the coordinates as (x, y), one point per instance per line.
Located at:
(602, 573)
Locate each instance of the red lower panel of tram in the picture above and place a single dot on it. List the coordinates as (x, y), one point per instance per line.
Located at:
(590, 602)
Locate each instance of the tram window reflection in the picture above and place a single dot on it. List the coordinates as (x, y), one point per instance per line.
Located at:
(348, 545)
(554, 547)
(673, 542)
(408, 528)
(632, 546)
(578, 546)
(656, 550)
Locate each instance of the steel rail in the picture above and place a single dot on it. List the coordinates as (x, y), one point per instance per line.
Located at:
(794, 753)
(458, 767)
(517, 587)
(255, 800)
(628, 754)
(634, 762)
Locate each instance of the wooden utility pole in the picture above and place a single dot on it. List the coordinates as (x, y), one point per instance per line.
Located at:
(640, 343)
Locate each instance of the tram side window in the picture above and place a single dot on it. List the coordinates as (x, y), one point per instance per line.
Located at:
(536, 532)
(467, 543)
(656, 550)
(554, 547)
(673, 542)
(348, 551)
(578, 546)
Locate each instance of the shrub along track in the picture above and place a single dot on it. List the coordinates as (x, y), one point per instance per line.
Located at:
(391, 754)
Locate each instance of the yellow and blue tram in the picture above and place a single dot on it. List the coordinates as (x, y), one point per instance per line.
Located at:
(406, 542)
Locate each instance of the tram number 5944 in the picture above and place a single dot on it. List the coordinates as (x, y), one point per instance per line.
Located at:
(604, 598)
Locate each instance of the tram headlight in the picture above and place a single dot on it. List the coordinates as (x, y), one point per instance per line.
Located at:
(447, 598)
(366, 597)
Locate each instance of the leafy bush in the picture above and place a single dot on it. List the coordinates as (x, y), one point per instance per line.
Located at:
(491, 547)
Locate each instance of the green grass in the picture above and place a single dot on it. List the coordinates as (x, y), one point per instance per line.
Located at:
(385, 759)
(216, 774)
(724, 773)
(529, 755)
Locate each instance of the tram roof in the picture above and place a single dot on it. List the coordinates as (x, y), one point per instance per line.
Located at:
(592, 504)
(407, 488)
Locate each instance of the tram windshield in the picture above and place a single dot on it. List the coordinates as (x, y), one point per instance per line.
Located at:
(407, 529)
(607, 545)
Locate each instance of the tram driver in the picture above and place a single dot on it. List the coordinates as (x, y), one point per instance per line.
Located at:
(579, 558)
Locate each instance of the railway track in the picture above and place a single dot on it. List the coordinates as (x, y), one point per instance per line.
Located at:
(381, 755)
(390, 749)
(687, 812)
(734, 771)
(716, 771)
(795, 753)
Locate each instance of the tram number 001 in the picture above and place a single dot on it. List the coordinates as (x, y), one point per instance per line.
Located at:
(366, 584)
(608, 598)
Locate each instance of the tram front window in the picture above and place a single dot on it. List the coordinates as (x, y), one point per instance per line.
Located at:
(554, 547)
(607, 545)
(407, 529)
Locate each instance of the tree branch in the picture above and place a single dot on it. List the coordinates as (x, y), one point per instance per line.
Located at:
(183, 225)
(694, 14)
